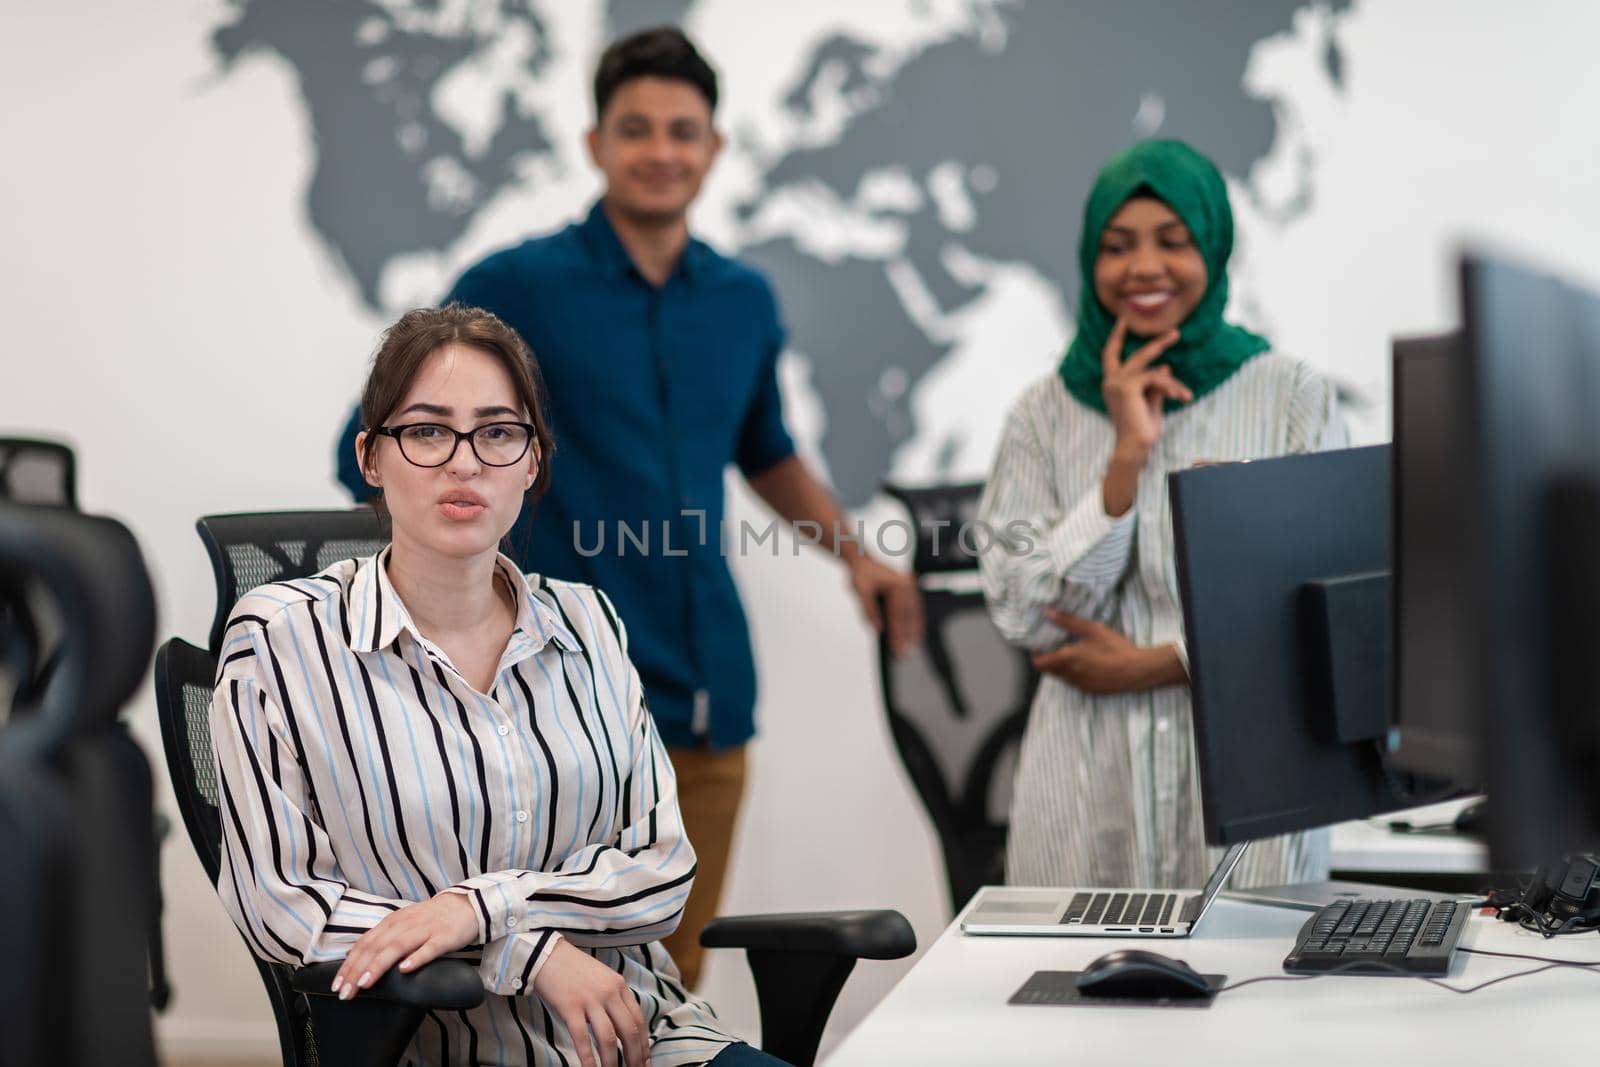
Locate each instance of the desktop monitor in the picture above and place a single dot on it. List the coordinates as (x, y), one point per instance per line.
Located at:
(1526, 522)
(1434, 615)
(1283, 569)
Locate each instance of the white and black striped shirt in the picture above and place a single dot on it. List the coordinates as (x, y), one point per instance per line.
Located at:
(1106, 788)
(359, 772)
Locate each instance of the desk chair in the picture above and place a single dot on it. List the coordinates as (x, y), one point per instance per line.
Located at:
(76, 815)
(957, 706)
(34, 807)
(254, 548)
(38, 472)
(45, 473)
(31, 472)
(800, 961)
(314, 1027)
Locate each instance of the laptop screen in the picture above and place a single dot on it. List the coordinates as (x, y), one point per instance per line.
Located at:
(1219, 877)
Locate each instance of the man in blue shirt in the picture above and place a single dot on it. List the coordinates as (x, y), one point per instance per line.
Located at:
(660, 358)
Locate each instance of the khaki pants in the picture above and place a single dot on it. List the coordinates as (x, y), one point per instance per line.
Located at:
(710, 785)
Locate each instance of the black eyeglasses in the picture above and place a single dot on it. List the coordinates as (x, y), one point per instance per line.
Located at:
(430, 444)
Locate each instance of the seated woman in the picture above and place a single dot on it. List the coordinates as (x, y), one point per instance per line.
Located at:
(1154, 381)
(428, 751)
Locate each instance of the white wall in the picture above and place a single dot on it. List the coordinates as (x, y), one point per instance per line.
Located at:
(169, 311)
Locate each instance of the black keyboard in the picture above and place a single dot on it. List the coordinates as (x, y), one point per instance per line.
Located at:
(1416, 937)
(1143, 912)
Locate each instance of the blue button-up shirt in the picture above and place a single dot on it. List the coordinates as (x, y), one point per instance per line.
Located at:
(653, 392)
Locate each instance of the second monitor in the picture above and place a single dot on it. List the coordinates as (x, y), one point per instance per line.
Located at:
(1283, 565)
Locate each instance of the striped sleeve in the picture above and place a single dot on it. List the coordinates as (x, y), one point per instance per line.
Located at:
(627, 890)
(279, 879)
(1045, 552)
(1315, 423)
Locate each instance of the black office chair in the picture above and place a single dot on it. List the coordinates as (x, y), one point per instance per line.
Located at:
(957, 706)
(254, 548)
(31, 472)
(314, 1027)
(800, 961)
(34, 811)
(45, 473)
(38, 472)
(76, 800)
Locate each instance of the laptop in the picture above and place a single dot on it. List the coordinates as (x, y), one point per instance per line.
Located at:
(1096, 912)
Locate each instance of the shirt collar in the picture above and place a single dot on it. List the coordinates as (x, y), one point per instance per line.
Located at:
(613, 259)
(380, 615)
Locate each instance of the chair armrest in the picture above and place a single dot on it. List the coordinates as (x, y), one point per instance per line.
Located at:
(448, 984)
(866, 935)
(800, 961)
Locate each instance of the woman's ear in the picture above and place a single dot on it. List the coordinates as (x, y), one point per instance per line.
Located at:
(370, 473)
(534, 459)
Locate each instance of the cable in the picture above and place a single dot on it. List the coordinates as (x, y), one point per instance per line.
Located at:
(1540, 923)
(1511, 906)
(1367, 966)
(1524, 956)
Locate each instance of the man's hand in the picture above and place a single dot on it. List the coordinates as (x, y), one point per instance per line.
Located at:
(1102, 660)
(414, 935)
(870, 580)
(591, 999)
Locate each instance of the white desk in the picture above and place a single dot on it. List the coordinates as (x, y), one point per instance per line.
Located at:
(950, 1010)
(1370, 846)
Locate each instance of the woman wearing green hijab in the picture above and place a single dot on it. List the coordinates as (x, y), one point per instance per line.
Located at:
(1155, 381)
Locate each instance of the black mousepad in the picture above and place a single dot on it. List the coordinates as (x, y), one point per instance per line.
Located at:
(1061, 987)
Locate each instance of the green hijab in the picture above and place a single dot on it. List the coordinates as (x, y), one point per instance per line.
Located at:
(1208, 350)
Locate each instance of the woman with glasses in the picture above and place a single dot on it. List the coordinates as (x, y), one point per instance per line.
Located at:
(428, 751)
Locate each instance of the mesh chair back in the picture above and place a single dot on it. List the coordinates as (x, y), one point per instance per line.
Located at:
(944, 519)
(252, 549)
(38, 472)
(957, 708)
(957, 705)
(185, 676)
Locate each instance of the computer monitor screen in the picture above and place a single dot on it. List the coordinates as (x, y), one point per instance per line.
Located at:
(1532, 345)
(1283, 568)
(1436, 703)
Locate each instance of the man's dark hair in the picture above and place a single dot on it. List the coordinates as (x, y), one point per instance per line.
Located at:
(662, 52)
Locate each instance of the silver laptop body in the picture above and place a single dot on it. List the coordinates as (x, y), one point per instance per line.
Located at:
(1095, 912)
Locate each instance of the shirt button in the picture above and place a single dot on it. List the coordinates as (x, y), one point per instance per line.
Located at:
(511, 923)
(506, 730)
(522, 816)
(516, 983)
(1162, 726)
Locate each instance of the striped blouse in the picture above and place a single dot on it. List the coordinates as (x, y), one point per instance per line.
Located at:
(1106, 789)
(359, 772)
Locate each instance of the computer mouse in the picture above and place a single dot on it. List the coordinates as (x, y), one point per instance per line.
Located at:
(1135, 973)
(1470, 819)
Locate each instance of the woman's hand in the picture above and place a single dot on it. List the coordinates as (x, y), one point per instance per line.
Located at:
(1134, 391)
(412, 936)
(1134, 394)
(1102, 660)
(589, 997)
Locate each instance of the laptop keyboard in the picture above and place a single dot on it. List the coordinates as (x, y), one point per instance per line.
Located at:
(1118, 909)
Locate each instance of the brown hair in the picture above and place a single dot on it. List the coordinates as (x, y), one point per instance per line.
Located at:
(408, 343)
